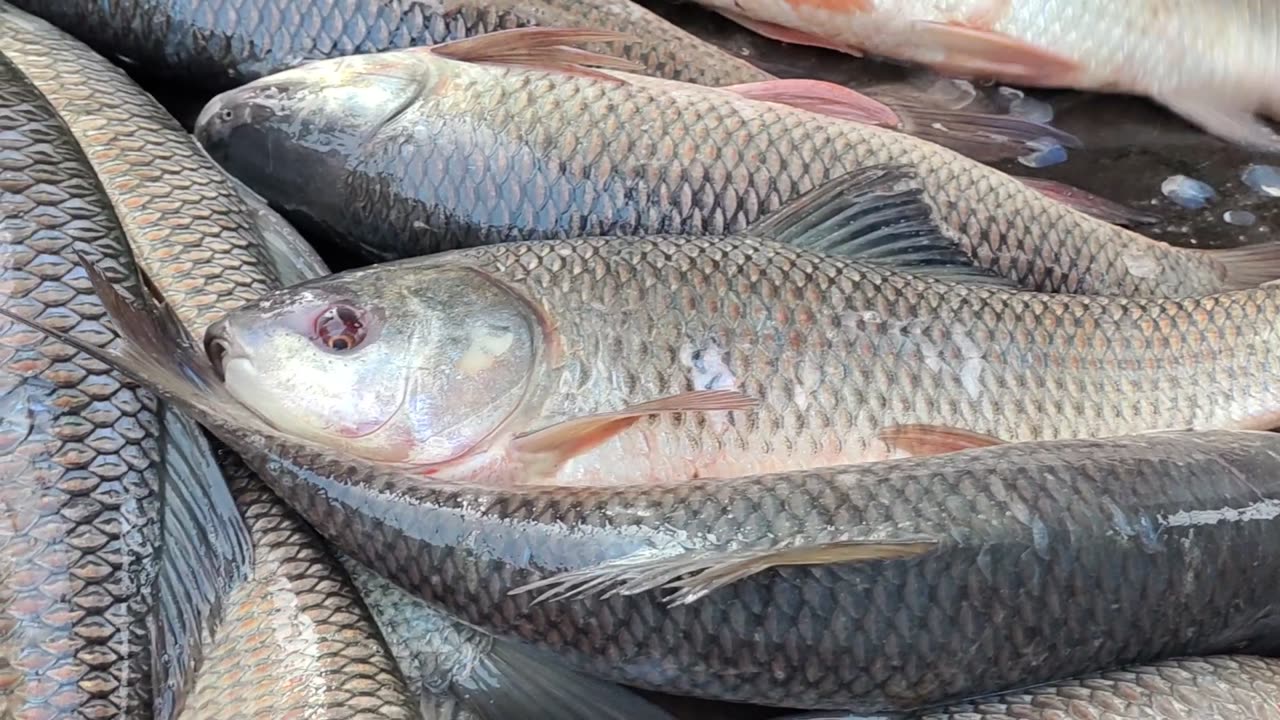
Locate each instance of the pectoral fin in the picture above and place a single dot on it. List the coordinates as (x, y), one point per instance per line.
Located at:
(541, 48)
(820, 97)
(923, 440)
(782, 33)
(543, 451)
(1088, 203)
(696, 573)
(985, 53)
(1224, 118)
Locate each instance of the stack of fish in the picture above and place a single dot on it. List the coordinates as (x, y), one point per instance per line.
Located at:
(670, 377)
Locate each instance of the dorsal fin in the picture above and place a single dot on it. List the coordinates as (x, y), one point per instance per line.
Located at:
(541, 48)
(876, 214)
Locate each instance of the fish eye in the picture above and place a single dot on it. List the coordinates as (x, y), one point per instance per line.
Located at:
(339, 328)
(227, 114)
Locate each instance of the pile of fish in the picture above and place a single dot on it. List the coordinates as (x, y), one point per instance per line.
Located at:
(652, 384)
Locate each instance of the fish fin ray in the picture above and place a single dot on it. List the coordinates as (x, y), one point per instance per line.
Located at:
(819, 96)
(985, 53)
(1088, 203)
(206, 551)
(541, 48)
(545, 450)
(923, 440)
(983, 136)
(876, 214)
(517, 680)
(695, 574)
(1249, 266)
(1222, 117)
(784, 34)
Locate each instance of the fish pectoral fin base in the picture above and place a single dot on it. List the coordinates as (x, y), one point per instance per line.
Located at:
(985, 53)
(924, 440)
(1223, 117)
(514, 680)
(542, 452)
(782, 33)
(541, 48)
(878, 215)
(1249, 266)
(1088, 203)
(205, 553)
(695, 574)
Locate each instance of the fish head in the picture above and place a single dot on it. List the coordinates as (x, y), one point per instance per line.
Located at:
(420, 366)
(292, 136)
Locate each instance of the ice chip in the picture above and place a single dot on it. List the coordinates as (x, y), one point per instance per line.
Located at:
(953, 94)
(1032, 110)
(1263, 178)
(1187, 192)
(1243, 218)
(1045, 152)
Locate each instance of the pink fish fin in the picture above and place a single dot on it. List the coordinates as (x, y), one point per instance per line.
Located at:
(541, 48)
(782, 33)
(982, 136)
(985, 53)
(821, 97)
(696, 573)
(1224, 117)
(923, 440)
(1249, 266)
(544, 451)
(1088, 203)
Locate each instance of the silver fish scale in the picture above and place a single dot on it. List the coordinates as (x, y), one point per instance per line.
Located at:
(1054, 560)
(223, 43)
(837, 350)
(180, 210)
(1223, 687)
(78, 442)
(578, 156)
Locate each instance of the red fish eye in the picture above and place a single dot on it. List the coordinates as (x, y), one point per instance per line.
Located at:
(340, 328)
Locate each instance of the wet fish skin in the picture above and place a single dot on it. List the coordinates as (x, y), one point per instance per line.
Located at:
(80, 444)
(836, 351)
(224, 43)
(420, 157)
(1220, 687)
(1213, 63)
(209, 250)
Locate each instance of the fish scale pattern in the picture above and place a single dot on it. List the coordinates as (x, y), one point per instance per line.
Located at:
(1024, 533)
(296, 599)
(78, 441)
(837, 350)
(578, 156)
(223, 43)
(327, 658)
(188, 226)
(1212, 688)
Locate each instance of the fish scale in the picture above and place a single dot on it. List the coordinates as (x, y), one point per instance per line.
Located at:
(202, 247)
(423, 142)
(79, 443)
(222, 43)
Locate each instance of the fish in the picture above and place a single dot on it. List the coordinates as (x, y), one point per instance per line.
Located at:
(410, 152)
(1212, 63)
(1220, 687)
(204, 250)
(656, 359)
(848, 587)
(99, 482)
(221, 44)
(464, 673)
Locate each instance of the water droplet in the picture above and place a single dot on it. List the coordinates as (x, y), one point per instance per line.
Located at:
(953, 94)
(1009, 95)
(1187, 192)
(1032, 110)
(1263, 178)
(1045, 153)
(1240, 217)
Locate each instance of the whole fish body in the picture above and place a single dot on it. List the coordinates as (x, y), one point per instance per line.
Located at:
(481, 360)
(98, 482)
(409, 152)
(1212, 62)
(206, 250)
(849, 587)
(1220, 687)
(224, 43)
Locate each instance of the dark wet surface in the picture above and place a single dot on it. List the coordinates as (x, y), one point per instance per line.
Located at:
(1131, 147)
